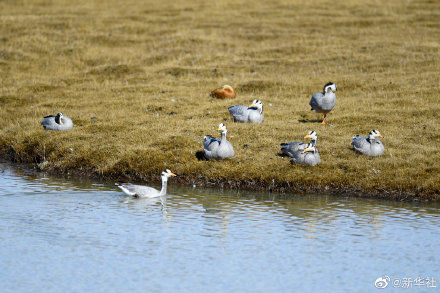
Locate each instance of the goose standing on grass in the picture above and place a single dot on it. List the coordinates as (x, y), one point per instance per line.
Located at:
(215, 148)
(325, 101)
(292, 147)
(57, 122)
(145, 191)
(225, 92)
(252, 113)
(309, 156)
(370, 145)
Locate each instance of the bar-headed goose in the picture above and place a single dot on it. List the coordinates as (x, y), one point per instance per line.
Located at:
(252, 113)
(325, 101)
(309, 156)
(146, 191)
(370, 145)
(291, 147)
(215, 148)
(57, 122)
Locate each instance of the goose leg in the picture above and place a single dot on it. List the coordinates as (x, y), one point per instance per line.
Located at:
(323, 120)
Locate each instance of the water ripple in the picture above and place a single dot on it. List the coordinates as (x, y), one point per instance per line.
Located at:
(203, 240)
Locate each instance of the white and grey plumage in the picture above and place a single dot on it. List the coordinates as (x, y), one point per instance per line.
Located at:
(325, 101)
(214, 148)
(210, 143)
(370, 145)
(146, 191)
(309, 156)
(57, 122)
(292, 147)
(252, 113)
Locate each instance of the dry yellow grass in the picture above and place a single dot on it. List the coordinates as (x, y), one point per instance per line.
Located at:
(135, 77)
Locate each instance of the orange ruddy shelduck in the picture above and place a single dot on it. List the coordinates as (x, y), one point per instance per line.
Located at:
(225, 92)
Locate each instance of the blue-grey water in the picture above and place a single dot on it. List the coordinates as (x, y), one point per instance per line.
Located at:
(59, 235)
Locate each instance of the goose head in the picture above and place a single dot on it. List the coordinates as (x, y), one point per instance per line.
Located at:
(330, 87)
(309, 148)
(58, 117)
(257, 104)
(167, 174)
(374, 134)
(312, 135)
(222, 128)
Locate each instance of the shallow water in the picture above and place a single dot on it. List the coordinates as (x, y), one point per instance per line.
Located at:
(59, 235)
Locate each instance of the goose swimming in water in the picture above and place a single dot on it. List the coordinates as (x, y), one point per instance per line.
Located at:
(370, 145)
(225, 92)
(57, 122)
(252, 113)
(309, 156)
(145, 191)
(291, 147)
(215, 148)
(325, 101)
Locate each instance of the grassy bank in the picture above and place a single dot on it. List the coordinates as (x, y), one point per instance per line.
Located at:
(135, 78)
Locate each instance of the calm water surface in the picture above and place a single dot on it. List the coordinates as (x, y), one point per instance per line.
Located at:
(58, 235)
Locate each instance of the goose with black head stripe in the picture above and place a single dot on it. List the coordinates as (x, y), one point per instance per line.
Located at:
(324, 102)
(309, 156)
(146, 191)
(214, 148)
(370, 145)
(291, 147)
(252, 113)
(57, 122)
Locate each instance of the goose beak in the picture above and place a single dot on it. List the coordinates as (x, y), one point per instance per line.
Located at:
(380, 135)
(304, 150)
(219, 129)
(172, 174)
(307, 136)
(251, 105)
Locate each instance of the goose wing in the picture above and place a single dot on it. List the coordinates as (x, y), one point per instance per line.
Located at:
(316, 101)
(291, 147)
(360, 143)
(210, 143)
(225, 150)
(239, 112)
(48, 121)
(138, 190)
(297, 157)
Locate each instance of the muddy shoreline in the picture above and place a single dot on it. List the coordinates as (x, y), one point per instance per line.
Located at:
(283, 188)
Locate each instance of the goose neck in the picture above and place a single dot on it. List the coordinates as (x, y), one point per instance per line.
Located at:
(163, 191)
(224, 135)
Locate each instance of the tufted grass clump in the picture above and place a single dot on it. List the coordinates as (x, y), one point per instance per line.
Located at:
(135, 78)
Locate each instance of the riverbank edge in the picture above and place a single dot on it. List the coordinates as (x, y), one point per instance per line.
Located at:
(251, 184)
